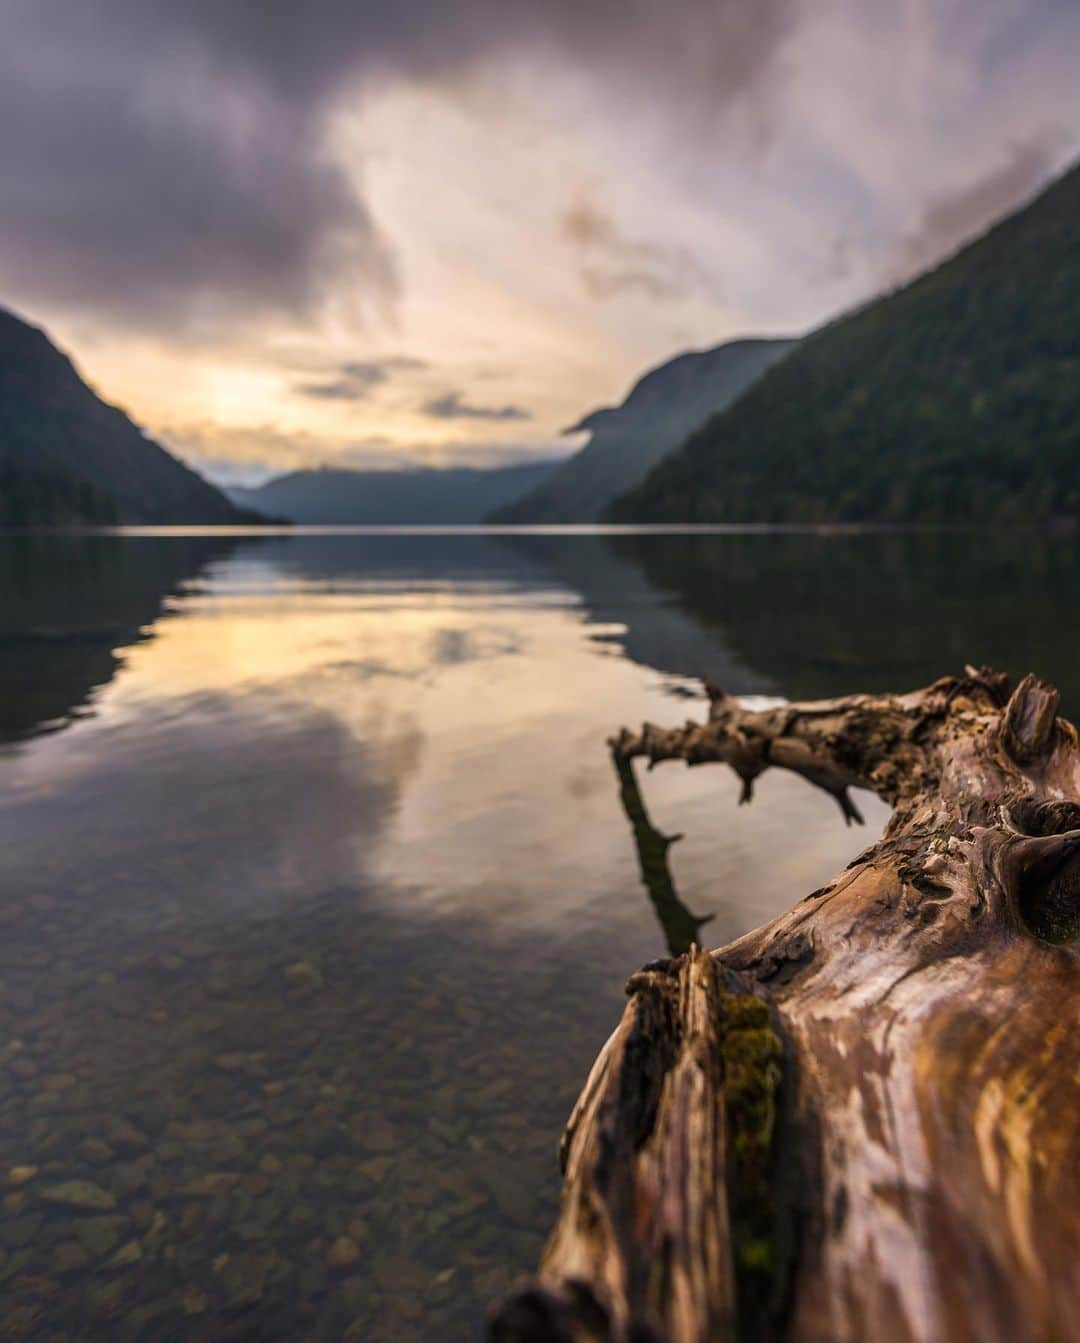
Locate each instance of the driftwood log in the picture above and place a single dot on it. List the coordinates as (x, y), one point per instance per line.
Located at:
(859, 1122)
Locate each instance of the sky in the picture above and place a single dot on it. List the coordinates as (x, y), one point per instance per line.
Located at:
(437, 232)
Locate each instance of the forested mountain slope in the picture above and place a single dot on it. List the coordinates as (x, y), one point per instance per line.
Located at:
(955, 399)
(68, 457)
(662, 409)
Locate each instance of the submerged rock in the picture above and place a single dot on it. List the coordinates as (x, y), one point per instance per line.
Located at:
(79, 1194)
(210, 1186)
(129, 1177)
(96, 1150)
(343, 1253)
(124, 1136)
(194, 1302)
(69, 1257)
(239, 1062)
(243, 1278)
(99, 1235)
(126, 1255)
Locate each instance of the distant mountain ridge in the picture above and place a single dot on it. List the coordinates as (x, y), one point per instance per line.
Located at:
(448, 496)
(954, 399)
(662, 409)
(68, 457)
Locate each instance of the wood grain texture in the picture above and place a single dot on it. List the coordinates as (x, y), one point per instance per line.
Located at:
(859, 1121)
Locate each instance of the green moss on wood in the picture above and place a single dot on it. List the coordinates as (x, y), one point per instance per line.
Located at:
(752, 1053)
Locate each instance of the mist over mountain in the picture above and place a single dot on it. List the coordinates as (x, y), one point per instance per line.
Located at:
(954, 399)
(67, 457)
(662, 409)
(432, 497)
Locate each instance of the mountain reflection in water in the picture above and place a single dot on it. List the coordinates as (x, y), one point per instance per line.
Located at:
(811, 614)
(68, 604)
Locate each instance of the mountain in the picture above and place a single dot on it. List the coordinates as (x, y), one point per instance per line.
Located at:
(450, 496)
(954, 399)
(663, 409)
(68, 457)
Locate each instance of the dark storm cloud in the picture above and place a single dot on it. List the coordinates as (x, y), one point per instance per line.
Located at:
(137, 181)
(453, 406)
(953, 219)
(170, 156)
(614, 264)
(354, 381)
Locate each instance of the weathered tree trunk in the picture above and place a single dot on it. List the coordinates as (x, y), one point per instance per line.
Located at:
(860, 1122)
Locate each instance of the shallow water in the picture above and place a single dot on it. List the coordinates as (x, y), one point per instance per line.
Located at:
(318, 892)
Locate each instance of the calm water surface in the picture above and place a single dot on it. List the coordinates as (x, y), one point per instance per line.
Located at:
(318, 890)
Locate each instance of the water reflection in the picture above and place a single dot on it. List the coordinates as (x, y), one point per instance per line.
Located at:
(818, 615)
(800, 614)
(314, 918)
(310, 930)
(634, 615)
(681, 927)
(68, 604)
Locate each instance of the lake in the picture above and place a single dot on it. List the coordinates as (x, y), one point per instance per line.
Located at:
(319, 890)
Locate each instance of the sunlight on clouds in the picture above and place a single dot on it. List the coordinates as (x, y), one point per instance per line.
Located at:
(866, 136)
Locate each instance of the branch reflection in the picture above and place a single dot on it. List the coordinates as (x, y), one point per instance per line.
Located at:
(680, 926)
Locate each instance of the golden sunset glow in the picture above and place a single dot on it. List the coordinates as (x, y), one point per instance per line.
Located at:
(442, 242)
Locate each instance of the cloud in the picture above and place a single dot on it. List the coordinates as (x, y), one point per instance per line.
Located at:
(241, 455)
(615, 264)
(172, 163)
(453, 406)
(137, 185)
(354, 381)
(954, 218)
